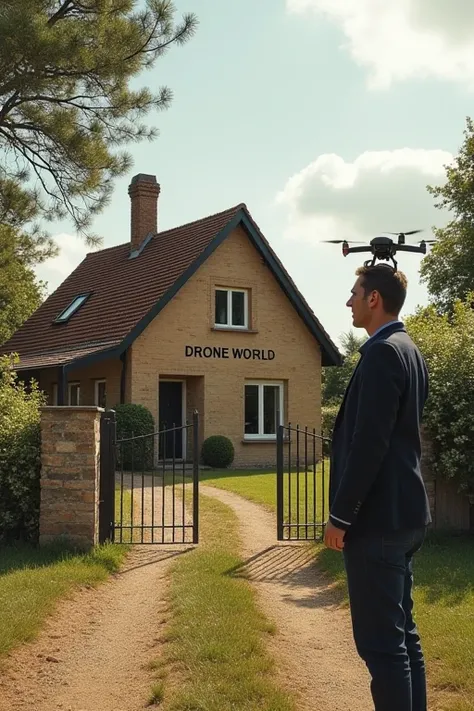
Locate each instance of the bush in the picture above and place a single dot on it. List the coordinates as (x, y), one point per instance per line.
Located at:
(20, 455)
(329, 414)
(447, 344)
(218, 452)
(134, 421)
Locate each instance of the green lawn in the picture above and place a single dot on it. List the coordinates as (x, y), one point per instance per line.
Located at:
(260, 486)
(32, 580)
(444, 594)
(215, 655)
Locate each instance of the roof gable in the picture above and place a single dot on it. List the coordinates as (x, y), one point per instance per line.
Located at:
(110, 313)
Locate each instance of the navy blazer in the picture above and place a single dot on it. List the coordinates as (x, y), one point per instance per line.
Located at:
(375, 478)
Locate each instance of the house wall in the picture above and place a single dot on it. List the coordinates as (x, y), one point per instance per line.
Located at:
(217, 385)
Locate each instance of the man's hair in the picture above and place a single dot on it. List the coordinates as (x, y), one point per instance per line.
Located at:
(390, 284)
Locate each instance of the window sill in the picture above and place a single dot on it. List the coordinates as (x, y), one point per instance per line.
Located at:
(233, 329)
(262, 440)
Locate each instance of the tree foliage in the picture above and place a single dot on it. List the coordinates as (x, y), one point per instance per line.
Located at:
(20, 456)
(448, 270)
(20, 292)
(335, 379)
(447, 344)
(66, 102)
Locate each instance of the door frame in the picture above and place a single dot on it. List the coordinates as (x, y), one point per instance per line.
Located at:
(183, 409)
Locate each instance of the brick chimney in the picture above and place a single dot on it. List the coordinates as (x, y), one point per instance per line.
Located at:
(144, 192)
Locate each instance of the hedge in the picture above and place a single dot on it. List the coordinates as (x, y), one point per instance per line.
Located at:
(134, 421)
(20, 455)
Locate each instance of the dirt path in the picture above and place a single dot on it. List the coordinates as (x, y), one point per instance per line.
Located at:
(313, 647)
(92, 653)
(91, 656)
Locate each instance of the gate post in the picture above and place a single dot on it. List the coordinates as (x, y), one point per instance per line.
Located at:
(70, 475)
(195, 477)
(279, 481)
(107, 476)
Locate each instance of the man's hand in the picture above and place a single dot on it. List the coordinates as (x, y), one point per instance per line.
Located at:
(334, 537)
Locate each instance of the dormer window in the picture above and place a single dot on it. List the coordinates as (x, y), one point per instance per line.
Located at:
(232, 308)
(76, 304)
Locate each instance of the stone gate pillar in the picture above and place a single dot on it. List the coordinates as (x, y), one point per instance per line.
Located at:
(70, 469)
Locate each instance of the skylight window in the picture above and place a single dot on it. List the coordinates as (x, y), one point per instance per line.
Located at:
(72, 308)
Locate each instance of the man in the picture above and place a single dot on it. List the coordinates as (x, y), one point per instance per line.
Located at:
(378, 504)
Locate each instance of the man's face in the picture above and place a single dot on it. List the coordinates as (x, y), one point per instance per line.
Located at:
(359, 305)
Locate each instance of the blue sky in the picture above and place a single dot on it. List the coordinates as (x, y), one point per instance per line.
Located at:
(326, 117)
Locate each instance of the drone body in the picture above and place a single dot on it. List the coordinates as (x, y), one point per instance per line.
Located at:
(384, 248)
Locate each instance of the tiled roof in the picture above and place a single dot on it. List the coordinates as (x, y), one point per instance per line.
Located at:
(62, 356)
(124, 292)
(123, 289)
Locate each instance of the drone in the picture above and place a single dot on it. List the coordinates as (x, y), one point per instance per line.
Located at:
(384, 248)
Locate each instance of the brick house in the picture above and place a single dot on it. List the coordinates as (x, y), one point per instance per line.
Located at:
(202, 316)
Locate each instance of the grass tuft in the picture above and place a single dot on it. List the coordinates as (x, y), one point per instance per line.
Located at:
(156, 695)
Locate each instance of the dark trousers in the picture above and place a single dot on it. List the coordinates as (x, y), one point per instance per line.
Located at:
(380, 580)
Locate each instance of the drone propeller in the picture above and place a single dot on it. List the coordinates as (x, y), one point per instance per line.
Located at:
(407, 234)
(340, 241)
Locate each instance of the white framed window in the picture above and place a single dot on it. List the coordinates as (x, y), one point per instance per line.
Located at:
(74, 394)
(231, 308)
(263, 409)
(100, 393)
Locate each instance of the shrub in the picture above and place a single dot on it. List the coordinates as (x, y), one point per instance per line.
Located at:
(20, 455)
(447, 344)
(134, 421)
(218, 452)
(329, 414)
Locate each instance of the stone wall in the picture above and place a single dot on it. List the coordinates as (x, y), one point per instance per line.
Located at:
(70, 468)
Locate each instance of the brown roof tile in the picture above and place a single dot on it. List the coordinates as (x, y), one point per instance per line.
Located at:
(62, 356)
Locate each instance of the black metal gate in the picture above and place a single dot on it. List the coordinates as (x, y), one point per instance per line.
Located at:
(145, 496)
(302, 483)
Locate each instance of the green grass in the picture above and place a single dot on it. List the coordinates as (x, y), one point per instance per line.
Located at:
(260, 487)
(215, 640)
(32, 580)
(444, 594)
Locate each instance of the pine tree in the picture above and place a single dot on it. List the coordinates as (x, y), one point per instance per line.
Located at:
(66, 102)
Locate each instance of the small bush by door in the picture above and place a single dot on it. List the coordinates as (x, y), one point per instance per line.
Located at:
(218, 452)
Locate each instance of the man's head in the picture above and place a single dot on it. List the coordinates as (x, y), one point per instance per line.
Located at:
(377, 296)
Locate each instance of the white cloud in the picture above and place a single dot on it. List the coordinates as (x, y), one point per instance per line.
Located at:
(336, 199)
(380, 191)
(401, 39)
(54, 271)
